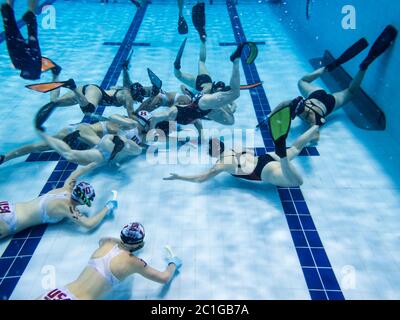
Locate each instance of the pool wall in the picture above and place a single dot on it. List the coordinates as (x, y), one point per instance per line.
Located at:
(323, 30)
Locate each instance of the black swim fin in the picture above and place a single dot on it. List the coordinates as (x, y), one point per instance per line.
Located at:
(177, 63)
(199, 20)
(349, 54)
(2, 158)
(380, 46)
(43, 114)
(253, 52)
(182, 26)
(155, 81)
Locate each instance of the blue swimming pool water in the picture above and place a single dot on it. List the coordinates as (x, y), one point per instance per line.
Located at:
(238, 240)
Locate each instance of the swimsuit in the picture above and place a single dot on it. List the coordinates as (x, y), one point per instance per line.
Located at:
(58, 294)
(131, 134)
(106, 100)
(262, 161)
(104, 152)
(44, 200)
(190, 113)
(102, 265)
(8, 216)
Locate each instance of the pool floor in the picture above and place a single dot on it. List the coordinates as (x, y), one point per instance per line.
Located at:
(233, 236)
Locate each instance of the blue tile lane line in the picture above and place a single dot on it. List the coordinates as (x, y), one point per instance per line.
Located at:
(23, 245)
(318, 273)
(136, 44)
(21, 23)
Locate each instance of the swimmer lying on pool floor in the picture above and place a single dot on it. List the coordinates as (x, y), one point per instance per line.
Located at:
(274, 167)
(112, 263)
(132, 129)
(54, 206)
(317, 104)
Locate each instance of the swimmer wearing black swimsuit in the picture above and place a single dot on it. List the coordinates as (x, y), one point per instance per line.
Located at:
(190, 113)
(106, 99)
(262, 161)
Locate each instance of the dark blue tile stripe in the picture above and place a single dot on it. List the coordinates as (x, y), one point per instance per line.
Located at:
(225, 44)
(317, 270)
(21, 23)
(22, 246)
(136, 44)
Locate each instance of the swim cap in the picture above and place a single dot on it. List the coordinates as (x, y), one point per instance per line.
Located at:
(164, 127)
(83, 193)
(137, 91)
(132, 233)
(211, 146)
(219, 86)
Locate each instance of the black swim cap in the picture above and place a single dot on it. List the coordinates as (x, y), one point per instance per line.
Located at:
(211, 143)
(219, 86)
(137, 91)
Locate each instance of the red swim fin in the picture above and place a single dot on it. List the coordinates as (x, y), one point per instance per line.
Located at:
(46, 87)
(250, 86)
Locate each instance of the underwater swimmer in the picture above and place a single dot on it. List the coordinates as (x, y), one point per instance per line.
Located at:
(129, 128)
(273, 168)
(317, 104)
(54, 206)
(217, 105)
(112, 263)
(26, 54)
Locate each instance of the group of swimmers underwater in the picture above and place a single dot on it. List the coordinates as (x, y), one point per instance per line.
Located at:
(117, 138)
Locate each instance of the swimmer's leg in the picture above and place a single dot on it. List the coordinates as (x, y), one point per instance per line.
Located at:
(88, 135)
(304, 84)
(168, 115)
(202, 59)
(182, 25)
(310, 135)
(222, 116)
(27, 149)
(220, 99)
(185, 78)
(346, 95)
(82, 157)
(16, 45)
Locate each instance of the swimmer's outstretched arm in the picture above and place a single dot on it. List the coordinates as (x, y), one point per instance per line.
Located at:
(89, 222)
(214, 171)
(123, 121)
(150, 273)
(71, 181)
(126, 82)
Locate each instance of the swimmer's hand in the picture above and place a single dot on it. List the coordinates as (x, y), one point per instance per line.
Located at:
(112, 204)
(176, 261)
(173, 176)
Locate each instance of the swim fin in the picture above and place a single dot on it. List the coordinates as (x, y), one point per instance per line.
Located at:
(250, 86)
(2, 158)
(48, 64)
(380, 46)
(279, 125)
(199, 20)
(253, 52)
(50, 86)
(43, 114)
(349, 54)
(182, 26)
(155, 81)
(177, 63)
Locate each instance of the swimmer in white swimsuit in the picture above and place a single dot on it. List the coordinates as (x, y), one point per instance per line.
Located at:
(111, 264)
(54, 206)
